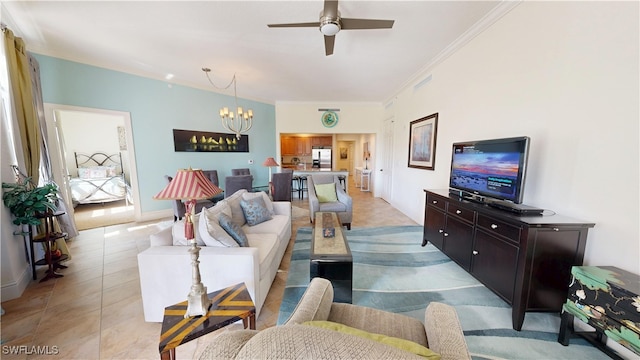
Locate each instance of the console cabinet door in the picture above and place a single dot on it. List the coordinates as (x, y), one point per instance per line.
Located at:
(458, 241)
(495, 263)
(434, 221)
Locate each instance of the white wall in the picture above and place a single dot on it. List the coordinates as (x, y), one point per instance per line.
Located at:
(566, 75)
(563, 73)
(358, 122)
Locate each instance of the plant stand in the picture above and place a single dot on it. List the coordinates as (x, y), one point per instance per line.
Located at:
(49, 237)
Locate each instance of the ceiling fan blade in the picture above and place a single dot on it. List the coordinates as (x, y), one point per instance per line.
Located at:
(328, 44)
(358, 24)
(330, 9)
(310, 24)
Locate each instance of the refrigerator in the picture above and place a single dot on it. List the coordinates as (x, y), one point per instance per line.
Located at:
(321, 158)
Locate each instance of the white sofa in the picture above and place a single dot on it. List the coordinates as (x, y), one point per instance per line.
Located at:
(165, 268)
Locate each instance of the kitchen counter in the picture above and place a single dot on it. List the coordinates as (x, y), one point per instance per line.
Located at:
(322, 171)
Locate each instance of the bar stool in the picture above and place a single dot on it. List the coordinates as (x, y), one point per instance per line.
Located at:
(295, 185)
(343, 181)
(302, 186)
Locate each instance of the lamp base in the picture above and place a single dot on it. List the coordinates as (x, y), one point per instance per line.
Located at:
(197, 302)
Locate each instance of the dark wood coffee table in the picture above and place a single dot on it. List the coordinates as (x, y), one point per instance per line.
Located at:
(331, 257)
(228, 306)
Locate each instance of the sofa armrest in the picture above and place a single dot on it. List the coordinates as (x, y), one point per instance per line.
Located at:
(444, 332)
(314, 203)
(315, 303)
(343, 197)
(282, 208)
(163, 237)
(165, 274)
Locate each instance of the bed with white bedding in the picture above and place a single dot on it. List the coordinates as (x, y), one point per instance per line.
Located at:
(100, 179)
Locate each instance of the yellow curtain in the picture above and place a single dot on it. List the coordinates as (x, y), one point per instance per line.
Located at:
(22, 96)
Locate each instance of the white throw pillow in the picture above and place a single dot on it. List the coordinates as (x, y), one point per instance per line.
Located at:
(178, 233)
(237, 216)
(212, 233)
(265, 197)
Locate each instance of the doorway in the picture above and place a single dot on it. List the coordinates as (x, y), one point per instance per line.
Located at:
(87, 131)
(345, 156)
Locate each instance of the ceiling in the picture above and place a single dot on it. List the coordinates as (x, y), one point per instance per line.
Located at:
(156, 38)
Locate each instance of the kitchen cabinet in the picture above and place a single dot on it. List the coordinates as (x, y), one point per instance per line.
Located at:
(321, 141)
(288, 146)
(526, 260)
(303, 146)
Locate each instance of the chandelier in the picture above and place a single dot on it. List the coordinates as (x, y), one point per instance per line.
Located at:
(237, 123)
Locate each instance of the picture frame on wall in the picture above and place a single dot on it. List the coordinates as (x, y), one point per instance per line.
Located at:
(422, 142)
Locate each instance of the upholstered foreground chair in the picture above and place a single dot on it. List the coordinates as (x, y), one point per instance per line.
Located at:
(343, 206)
(281, 186)
(178, 206)
(235, 183)
(441, 333)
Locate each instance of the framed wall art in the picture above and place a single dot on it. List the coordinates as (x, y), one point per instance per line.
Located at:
(203, 141)
(422, 142)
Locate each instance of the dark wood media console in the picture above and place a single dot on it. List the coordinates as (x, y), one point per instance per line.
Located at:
(526, 260)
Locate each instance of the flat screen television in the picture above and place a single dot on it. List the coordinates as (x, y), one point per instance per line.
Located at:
(493, 168)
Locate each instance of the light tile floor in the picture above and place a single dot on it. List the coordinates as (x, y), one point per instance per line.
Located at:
(95, 310)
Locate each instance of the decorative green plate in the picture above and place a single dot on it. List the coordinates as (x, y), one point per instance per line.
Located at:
(329, 119)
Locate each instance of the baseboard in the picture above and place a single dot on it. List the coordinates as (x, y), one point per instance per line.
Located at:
(156, 215)
(14, 289)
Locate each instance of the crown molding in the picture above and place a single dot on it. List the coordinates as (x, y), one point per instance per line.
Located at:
(479, 27)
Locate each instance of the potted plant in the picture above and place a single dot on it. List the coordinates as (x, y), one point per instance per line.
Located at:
(26, 201)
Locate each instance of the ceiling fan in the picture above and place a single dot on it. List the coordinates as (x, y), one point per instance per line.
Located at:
(331, 23)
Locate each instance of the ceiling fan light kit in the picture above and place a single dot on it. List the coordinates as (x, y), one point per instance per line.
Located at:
(331, 24)
(329, 27)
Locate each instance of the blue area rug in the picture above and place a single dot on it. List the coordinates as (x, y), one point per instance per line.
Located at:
(392, 272)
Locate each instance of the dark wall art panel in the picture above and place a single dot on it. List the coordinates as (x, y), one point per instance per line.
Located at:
(203, 141)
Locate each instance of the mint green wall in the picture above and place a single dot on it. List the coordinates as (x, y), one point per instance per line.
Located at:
(156, 109)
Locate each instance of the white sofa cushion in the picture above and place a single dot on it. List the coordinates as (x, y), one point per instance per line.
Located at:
(177, 232)
(267, 250)
(277, 225)
(237, 216)
(210, 230)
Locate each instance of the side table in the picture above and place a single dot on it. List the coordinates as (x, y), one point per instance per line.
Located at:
(606, 298)
(363, 178)
(229, 305)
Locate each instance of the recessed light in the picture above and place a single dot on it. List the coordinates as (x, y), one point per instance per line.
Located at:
(169, 76)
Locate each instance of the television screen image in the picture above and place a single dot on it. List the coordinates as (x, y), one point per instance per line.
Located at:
(492, 168)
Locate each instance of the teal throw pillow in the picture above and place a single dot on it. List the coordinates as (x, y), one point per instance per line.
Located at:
(234, 230)
(326, 192)
(255, 211)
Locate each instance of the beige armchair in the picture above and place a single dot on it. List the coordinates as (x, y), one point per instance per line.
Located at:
(441, 333)
(343, 207)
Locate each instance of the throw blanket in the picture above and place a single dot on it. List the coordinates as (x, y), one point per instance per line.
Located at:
(392, 272)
